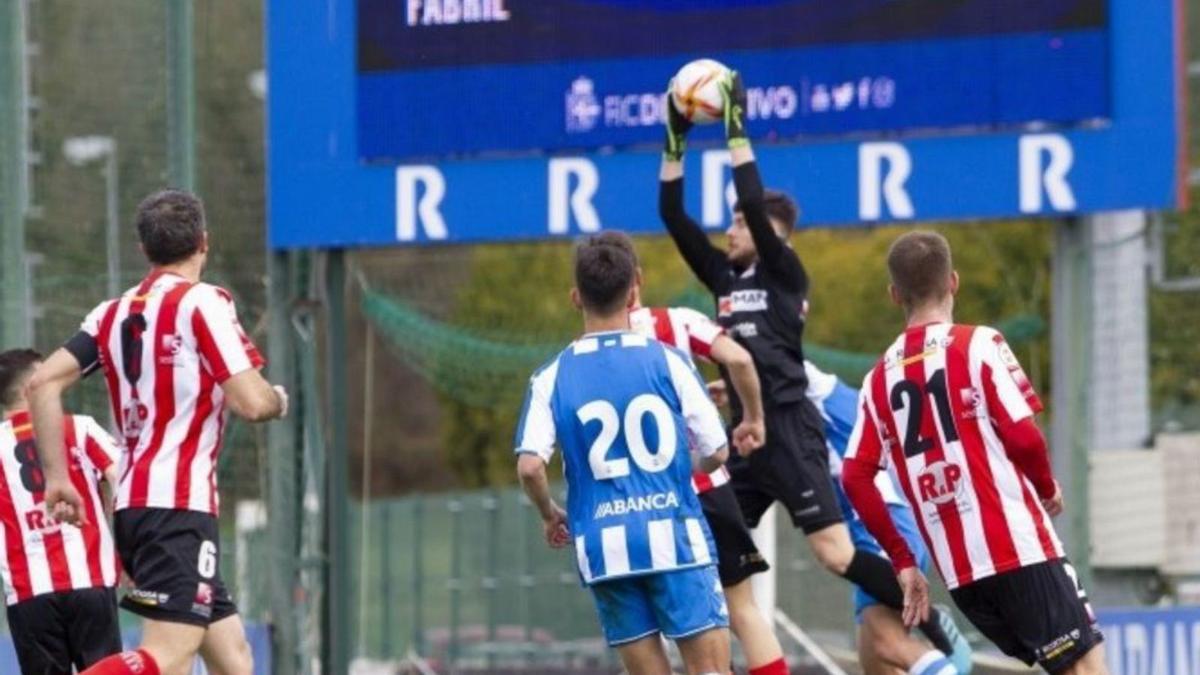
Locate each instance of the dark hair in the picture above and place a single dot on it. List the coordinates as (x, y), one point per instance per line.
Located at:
(604, 273)
(779, 207)
(170, 225)
(15, 366)
(920, 265)
(617, 239)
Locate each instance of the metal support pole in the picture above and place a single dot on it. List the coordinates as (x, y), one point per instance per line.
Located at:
(366, 590)
(112, 222)
(1119, 384)
(1071, 331)
(491, 582)
(181, 96)
(456, 580)
(418, 575)
(284, 479)
(387, 643)
(527, 580)
(338, 596)
(14, 174)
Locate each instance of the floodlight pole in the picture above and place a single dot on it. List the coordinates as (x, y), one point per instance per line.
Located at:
(181, 96)
(1071, 345)
(15, 326)
(284, 438)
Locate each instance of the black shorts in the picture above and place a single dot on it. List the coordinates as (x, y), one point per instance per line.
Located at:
(1038, 614)
(737, 556)
(792, 468)
(55, 631)
(173, 558)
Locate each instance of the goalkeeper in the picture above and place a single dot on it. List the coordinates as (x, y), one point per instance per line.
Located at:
(761, 288)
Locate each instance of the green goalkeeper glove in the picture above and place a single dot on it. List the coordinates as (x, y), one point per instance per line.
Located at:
(677, 128)
(733, 92)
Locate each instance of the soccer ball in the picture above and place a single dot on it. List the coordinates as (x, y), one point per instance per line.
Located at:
(696, 91)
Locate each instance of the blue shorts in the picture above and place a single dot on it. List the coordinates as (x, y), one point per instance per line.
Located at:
(677, 604)
(863, 541)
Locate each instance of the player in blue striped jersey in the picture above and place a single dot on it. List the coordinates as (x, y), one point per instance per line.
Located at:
(631, 416)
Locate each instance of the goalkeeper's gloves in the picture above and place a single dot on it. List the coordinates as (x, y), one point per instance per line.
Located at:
(733, 94)
(677, 128)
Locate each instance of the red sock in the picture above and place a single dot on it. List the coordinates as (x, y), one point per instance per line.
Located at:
(776, 667)
(137, 662)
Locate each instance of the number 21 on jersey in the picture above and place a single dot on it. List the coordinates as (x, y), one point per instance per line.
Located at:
(908, 394)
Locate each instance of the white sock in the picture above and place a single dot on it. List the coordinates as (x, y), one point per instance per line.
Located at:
(932, 662)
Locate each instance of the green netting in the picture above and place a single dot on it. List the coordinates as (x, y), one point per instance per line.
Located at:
(467, 363)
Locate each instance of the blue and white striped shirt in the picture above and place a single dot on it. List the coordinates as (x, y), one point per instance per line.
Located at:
(625, 410)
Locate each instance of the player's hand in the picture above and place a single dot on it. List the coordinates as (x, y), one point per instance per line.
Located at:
(718, 393)
(63, 502)
(1054, 505)
(677, 129)
(749, 436)
(558, 535)
(283, 400)
(733, 94)
(916, 596)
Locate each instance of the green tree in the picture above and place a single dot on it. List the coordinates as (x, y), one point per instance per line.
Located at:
(517, 295)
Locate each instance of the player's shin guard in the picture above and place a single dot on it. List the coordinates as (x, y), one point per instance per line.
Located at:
(876, 576)
(137, 662)
(933, 662)
(776, 667)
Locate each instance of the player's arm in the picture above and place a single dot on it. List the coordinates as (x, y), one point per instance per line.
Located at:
(751, 433)
(706, 261)
(251, 397)
(710, 450)
(1012, 404)
(708, 341)
(773, 252)
(864, 458)
(1028, 450)
(76, 359)
(230, 357)
(858, 480)
(711, 462)
(101, 451)
(534, 444)
(45, 391)
(531, 470)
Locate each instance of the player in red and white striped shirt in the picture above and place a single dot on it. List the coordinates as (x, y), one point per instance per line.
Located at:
(59, 579)
(950, 410)
(738, 558)
(174, 357)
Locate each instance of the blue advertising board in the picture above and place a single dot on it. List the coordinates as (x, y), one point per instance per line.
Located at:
(437, 78)
(1152, 641)
(322, 193)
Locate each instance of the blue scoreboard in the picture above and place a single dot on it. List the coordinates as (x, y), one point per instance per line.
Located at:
(412, 122)
(439, 78)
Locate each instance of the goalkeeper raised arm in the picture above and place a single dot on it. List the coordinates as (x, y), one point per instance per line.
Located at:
(761, 288)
